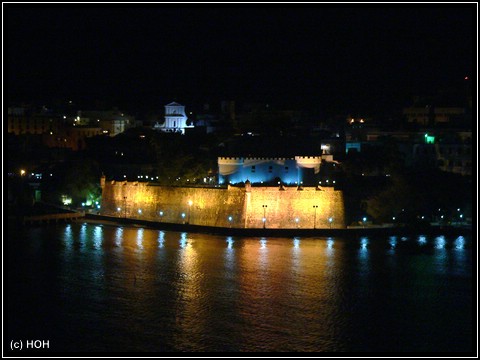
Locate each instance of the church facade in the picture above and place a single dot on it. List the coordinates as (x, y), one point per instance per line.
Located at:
(175, 119)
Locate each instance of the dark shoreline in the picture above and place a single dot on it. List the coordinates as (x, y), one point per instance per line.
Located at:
(344, 232)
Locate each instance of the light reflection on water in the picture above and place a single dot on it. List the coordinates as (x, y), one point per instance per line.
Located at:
(230, 242)
(393, 242)
(119, 236)
(97, 237)
(330, 243)
(422, 239)
(364, 243)
(296, 243)
(440, 243)
(140, 238)
(195, 292)
(161, 239)
(183, 240)
(83, 235)
(460, 243)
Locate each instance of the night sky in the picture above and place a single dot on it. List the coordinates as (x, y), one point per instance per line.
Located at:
(334, 58)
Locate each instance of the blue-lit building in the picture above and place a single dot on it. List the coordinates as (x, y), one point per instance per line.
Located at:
(296, 170)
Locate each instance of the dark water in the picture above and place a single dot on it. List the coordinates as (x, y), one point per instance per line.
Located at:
(89, 287)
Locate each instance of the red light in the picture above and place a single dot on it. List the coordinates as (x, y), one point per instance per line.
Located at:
(466, 77)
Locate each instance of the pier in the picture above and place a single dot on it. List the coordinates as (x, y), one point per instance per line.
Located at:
(47, 218)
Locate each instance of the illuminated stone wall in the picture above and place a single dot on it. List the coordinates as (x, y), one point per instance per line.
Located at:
(291, 208)
(216, 206)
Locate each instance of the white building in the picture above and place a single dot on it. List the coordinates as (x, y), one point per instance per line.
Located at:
(175, 119)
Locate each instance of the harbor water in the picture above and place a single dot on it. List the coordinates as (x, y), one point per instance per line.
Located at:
(86, 287)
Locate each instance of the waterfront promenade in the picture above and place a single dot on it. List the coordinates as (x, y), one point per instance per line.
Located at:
(272, 232)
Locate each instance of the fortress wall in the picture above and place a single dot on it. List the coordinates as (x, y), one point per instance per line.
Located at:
(285, 206)
(214, 206)
(210, 206)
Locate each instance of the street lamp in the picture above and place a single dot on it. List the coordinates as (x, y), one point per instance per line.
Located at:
(296, 221)
(125, 205)
(264, 217)
(364, 221)
(315, 207)
(230, 218)
(330, 220)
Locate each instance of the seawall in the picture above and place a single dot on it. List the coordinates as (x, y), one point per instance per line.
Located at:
(245, 207)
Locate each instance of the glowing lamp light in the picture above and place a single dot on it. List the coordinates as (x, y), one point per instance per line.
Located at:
(22, 172)
(66, 200)
(364, 219)
(230, 218)
(139, 211)
(119, 209)
(161, 213)
(190, 202)
(183, 215)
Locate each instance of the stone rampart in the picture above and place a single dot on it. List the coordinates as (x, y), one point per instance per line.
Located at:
(238, 207)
